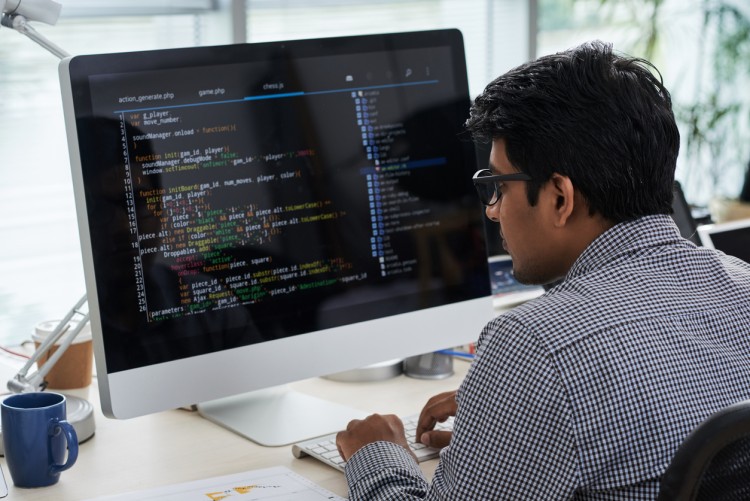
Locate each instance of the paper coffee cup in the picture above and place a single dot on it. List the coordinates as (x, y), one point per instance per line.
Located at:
(75, 367)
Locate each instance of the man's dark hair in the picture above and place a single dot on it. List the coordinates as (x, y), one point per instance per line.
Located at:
(602, 119)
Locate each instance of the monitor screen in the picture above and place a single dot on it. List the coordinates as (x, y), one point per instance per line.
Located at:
(731, 237)
(256, 214)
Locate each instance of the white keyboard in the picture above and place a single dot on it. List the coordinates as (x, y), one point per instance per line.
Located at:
(324, 448)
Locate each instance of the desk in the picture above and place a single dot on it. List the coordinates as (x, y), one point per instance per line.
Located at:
(179, 446)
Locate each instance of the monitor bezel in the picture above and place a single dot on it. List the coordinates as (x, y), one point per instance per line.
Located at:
(706, 231)
(154, 388)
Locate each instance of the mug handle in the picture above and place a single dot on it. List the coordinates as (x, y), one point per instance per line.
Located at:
(71, 437)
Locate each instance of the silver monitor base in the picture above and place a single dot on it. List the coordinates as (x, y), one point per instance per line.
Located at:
(278, 416)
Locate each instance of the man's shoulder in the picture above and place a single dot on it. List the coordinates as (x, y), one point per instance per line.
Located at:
(558, 316)
(631, 291)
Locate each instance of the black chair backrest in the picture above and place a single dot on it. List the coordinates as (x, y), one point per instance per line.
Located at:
(682, 215)
(713, 462)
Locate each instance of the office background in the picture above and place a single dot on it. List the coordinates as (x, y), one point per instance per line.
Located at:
(41, 274)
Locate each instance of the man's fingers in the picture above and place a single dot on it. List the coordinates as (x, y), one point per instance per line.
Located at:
(373, 428)
(436, 439)
(352, 424)
(438, 409)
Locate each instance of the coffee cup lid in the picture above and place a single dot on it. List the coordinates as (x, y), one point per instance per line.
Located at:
(44, 329)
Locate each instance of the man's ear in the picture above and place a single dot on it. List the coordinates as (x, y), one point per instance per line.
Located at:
(561, 189)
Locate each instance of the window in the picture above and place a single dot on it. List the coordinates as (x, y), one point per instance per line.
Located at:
(40, 262)
(701, 50)
(496, 32)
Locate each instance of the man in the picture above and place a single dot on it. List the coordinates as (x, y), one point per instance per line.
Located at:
(587, 391)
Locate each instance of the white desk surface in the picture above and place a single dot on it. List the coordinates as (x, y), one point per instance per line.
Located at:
(179, 446)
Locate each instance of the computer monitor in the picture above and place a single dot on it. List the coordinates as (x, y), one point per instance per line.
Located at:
(731, 237)
(256, 214)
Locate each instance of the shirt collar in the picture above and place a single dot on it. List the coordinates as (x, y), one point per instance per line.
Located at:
(623, 240)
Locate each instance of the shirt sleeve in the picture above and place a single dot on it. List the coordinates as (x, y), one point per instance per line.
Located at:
(513, 436)
(384, 471)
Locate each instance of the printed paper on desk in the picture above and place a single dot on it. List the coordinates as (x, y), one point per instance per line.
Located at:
(277, 484)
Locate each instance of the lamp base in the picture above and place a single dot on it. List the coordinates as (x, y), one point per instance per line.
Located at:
(80, 414)
(375, 372)
(429, 366)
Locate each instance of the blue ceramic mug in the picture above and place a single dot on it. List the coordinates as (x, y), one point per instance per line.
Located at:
(36, 437)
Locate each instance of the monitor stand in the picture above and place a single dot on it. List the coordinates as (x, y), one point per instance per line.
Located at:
(278, 416)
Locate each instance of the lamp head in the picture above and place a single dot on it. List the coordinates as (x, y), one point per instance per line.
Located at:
(44, 11)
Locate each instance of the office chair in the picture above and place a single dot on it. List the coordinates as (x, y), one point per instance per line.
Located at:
(713, 462)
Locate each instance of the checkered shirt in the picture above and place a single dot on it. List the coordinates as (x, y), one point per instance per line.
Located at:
(586, 392)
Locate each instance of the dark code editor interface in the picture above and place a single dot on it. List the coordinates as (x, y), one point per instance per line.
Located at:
(237, 203)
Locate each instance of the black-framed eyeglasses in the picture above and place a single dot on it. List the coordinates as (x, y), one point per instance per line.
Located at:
(488, 184)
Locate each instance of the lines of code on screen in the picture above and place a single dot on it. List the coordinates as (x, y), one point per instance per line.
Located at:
(220, 210)
(238, 193)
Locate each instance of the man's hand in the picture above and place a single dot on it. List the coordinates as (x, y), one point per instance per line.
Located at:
(438, 409)
(371, 429)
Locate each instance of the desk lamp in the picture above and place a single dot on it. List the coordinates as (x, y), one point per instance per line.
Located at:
(16, 15)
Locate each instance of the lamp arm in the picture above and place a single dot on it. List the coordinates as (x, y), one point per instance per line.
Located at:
(15, 16)
(21, 25)
(22, 382)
